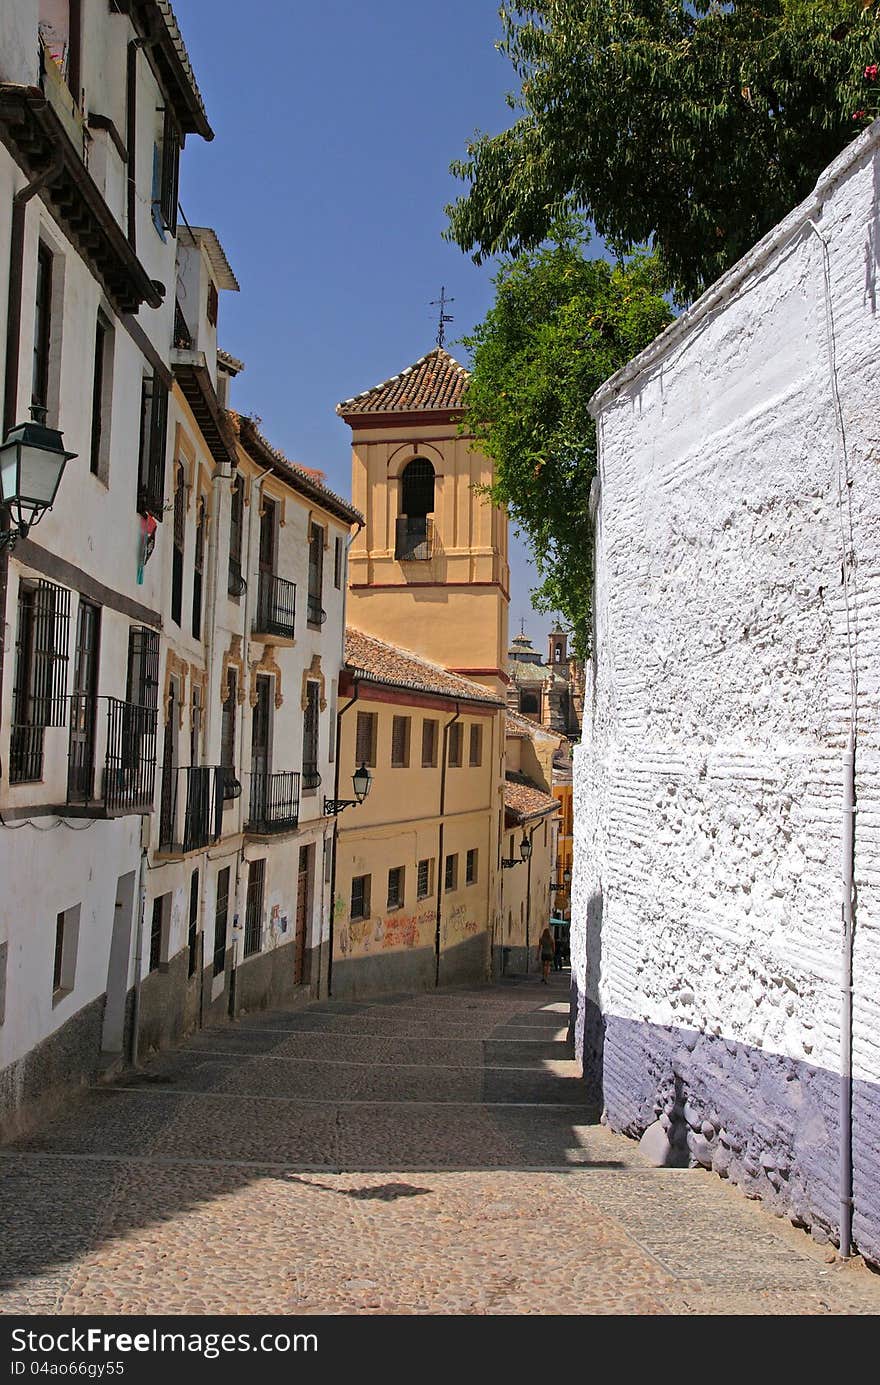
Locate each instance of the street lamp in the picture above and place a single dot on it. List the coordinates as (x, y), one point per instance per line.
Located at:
(525, 851)
(32, 462)
(362, 782)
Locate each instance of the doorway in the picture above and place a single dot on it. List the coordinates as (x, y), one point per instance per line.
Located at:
(301, 956)
(113, 1032)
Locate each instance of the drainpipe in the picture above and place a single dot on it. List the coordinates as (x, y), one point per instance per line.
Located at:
(334, 831)
(846, 999)
(441, 871)
(335, 835)
(13, 349)
(845, 1154)
(139, 951)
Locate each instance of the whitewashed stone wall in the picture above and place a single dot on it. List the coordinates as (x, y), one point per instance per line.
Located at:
(708, 789)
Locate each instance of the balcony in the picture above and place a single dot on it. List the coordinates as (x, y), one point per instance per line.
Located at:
(235, 583)
(192, 807)
(316, 613)
(128, 732)
(414, 540)
(311, 779)
(274, 805)
(276, 607)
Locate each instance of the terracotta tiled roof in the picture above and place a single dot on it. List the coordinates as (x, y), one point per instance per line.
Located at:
(437, 381)
(231, 364)
(523, 800)
(379, 662)
(521, 726)
(303, 479)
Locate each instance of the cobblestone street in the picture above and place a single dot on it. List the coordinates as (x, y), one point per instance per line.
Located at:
(422, 1154)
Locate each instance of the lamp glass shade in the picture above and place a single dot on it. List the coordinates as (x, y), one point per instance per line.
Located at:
(361, 780)
(32, 462)
(525, 847)
(566, 876)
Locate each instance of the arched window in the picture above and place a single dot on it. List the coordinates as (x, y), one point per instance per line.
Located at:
(417, 488)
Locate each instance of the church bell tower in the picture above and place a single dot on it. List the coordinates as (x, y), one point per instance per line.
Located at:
(429, 570)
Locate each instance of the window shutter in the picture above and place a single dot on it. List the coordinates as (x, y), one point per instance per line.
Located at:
(50, 661)
(310, 731)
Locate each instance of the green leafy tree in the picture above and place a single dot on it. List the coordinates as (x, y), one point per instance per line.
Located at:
(560, 325)
(693, 126)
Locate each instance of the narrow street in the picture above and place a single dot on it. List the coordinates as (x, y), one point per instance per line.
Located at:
(421, 1154)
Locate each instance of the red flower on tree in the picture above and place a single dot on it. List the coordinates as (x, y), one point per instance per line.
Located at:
(871, 72)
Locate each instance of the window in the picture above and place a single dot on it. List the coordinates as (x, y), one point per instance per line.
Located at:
(395, 887)
(39, 691)
(310, 776)
(470, 870)
(400, 742)
(338, 564)
(413, 539)
(151, 464)
(166, 160)
(360, 897)
(227, 722)
(417, 488)
(528, 704)
(234, 584)
(451, 877)
(429, 744)
(195, 726)
(66, 940)
(135, 751)
(42, 328)
(179, 543)
(476, 755)
(198, 567)
(101, 397)
(156, 931)
(253, 914)
(332, 750)
(455, 740)
(424, 881)
(221, 921)
(365, 739)
(317, 615)
(213, 304)
(193, 935)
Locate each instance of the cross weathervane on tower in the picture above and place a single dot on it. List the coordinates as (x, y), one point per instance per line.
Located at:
(442, 302)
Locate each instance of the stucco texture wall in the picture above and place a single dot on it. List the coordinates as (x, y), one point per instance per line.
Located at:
(735, 530)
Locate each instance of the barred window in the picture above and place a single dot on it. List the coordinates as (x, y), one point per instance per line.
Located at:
(476, 755)
(470, 874)
(311, 777)
(395, 887)
(365, 740)
(360, 897)
(39, 693)
(423, 879)
(400, 742)
(455, 740)
(451, 878)
(429, 744)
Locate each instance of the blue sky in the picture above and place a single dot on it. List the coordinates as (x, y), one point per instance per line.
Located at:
(326, 182)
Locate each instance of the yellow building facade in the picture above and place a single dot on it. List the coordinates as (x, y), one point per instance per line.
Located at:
(416, 876)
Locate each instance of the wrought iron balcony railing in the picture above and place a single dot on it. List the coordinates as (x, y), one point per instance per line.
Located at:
(311, 779)
(235, 583)
(274, 802)
(127, 756)
(276, 607)
(192, 807)
(317, 614)
(414, 541)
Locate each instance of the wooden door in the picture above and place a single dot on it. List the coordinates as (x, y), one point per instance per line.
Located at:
(303, 912)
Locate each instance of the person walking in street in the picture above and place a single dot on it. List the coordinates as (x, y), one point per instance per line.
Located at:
(545, 953)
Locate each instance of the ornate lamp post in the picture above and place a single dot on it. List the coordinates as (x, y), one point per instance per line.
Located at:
(32, 462)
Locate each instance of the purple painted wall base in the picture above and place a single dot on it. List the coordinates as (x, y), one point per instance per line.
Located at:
(766, 1122)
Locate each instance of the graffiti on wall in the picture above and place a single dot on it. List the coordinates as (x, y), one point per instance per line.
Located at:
(359, 937)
